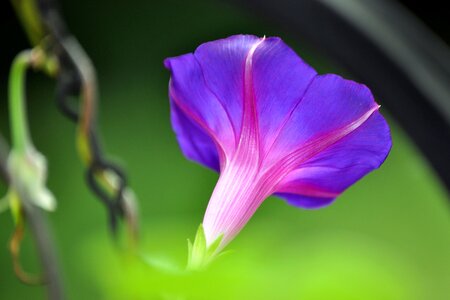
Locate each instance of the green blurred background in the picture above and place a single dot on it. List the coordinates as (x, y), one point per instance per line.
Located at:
(387, 237)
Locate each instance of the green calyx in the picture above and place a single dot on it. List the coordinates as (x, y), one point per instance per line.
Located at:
(200, 255)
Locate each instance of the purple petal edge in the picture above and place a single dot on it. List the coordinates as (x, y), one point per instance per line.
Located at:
(306, 202)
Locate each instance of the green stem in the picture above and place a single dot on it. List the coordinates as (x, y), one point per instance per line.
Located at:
(17, 106)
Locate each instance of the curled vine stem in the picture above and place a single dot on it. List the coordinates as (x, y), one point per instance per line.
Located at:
(14, 249)
(24, 169)
(76, 76)
(57, 53)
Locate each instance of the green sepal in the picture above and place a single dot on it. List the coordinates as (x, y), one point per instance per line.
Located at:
(200, 255)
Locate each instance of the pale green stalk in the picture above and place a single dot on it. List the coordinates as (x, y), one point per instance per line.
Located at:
(17, 106)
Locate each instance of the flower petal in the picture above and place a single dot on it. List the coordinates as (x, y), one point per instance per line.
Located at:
(223, 64)
(330, 104)
(280, 81)
(327, 174)
(189, 92)
(194, 142)
(306, 202)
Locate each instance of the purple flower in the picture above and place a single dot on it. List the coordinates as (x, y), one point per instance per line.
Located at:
(253, 110)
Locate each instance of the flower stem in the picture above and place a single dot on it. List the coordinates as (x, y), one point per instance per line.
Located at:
(18, 120)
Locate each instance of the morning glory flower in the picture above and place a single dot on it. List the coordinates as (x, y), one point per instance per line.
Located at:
(251, 109)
